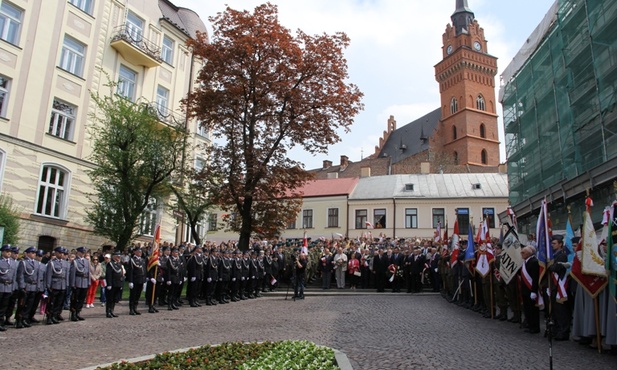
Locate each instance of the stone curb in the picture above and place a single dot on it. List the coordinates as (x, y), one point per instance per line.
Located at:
(341, 359)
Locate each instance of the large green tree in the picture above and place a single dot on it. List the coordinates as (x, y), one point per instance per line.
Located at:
(263, 91)
(135, 154)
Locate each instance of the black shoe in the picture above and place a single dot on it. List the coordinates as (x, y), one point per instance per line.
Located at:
(532, 331)
(26, 324)
(109, 315)
(132, 313)
(33, 321)
(151, 309)
(73, 317)
(113, 314)
(2, 328)
(169, 308)
(155, 310)
(54, 320)
(173, 306)
(136, 312)
(19, 324)
(59, 318)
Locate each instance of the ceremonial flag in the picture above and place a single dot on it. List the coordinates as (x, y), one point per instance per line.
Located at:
(485, 258)
(438, 232)
(369, 224)
(611, 251)
(568, 243)
(591, 261)
(592, 284)
(545, 250)
(511, 259)
(445, 233)
(156, 241)
(484, 233)
(304, 244)
(455, 244)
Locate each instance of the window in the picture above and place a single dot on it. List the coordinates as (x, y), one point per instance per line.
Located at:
(134, 27)
(408, 187)
(307, 219)
(201, 130)
(462, 215)
(453, 106)
(379, 218)
(62, 120)
(291, 224)
(5, 87)
(212, 222)
(411, 218)
(489, 214)
(454, 133)
(200, 163)
(361, 218)
(126, 83)
(200, 227)
(167, 51)
(84, 5)
(484, 156)
(480, 104)
(147, 221)
(2, 166)
(51, 196)
(162, 100)
(332, 217)
(72, 56)
(10, 22)
(482, 130)
(455, 157)
(438, 216)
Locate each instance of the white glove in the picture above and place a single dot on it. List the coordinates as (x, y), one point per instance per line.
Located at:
(131, 285)
(185, 279)
(209, 280)
(533, 295)
(193, 278)
(435, 269)
(242, 278)
(162, 279)
(169, 283)
(252, 277)
(109, 287)
(153, 281)
(233, 279)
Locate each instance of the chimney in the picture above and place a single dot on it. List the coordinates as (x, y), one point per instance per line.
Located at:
(425, 168)
(365, 172)
(332, 175)
(344, 161)
(327, 164)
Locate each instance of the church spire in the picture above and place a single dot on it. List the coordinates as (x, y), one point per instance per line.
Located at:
(462, 17)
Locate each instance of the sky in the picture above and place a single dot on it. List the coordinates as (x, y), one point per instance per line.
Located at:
(394, 47)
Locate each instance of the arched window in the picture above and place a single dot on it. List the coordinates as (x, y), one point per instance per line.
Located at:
(454, 133)
(480, 104)
(453, 106)
(482, 131)
(455, 157)
(53, 188)
(484, 157)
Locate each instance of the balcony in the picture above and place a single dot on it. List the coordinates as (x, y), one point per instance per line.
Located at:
(167, 116)
(135, 48)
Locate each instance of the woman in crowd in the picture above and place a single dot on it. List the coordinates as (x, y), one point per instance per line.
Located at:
(95, 274)
(353, 268)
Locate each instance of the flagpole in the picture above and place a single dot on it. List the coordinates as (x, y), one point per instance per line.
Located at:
(490, 276)
(597, 313)
(156, 270)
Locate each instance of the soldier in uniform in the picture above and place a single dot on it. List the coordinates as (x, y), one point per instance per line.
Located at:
(212, 277)
(56, 282)
(245, 277)
(79, 282)
(114, 281)
(252, 275)
(259, 277)
(236, 275)
(136, 277)
(161, 283)
(17, 294)
(40, 286)
(8, 271)
(267, 262)
(151, 287)
(173, 278)
(27, 280)
(224, 278)
(195, 275)
(179, 302)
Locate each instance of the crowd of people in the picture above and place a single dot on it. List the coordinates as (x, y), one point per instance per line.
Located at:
(210, 274)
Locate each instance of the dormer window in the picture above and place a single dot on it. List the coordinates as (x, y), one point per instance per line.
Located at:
(408, 187)
(476, 186)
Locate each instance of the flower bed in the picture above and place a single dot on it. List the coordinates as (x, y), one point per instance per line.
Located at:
(267, 355)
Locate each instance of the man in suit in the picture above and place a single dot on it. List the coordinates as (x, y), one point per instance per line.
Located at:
(79, 281)
(434, 266)
(380, 268)
(530, 273)
(136, 277)
(397, 259)
(114, 282)
(325, 266)
(558, 274)
(417, 266)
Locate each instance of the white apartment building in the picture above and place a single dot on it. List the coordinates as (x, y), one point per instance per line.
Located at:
(53, 53)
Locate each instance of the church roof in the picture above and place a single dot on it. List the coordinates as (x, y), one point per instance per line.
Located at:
(411, 139)
(432, 186)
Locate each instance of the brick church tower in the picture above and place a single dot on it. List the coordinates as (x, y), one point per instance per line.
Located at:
(466, 76)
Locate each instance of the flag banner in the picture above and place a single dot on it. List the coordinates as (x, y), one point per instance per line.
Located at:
(455, 249)
(568, 243)
(591, 261)
(543, 238)
(156, 241)
(511, 259)
(591, 283)
(369, 224)
(445, 233)
(484, 233)
(470, 252)
(438, 233)
(611, 251)
(485, 258)
(273, 281)
(512, 217)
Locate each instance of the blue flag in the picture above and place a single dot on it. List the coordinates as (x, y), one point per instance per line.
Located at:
(470, 252)
(568, 244)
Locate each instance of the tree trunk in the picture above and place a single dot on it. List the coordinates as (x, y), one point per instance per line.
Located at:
(247, 225)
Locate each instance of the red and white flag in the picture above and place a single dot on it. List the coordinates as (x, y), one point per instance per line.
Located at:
(156, 241)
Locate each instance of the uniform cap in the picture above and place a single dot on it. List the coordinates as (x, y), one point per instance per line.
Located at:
(30, 250)
(117, 253)
(59, 250)
(82, 249)
(6, 247)
(559, 238)
(137, 249)
(212, 250)
(15, 249)
(40, 253)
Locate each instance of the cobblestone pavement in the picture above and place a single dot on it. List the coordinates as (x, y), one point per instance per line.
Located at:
(385, 331)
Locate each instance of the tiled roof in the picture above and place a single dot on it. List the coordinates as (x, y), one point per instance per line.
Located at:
(328, 187)
(378, 166)
(433, 186)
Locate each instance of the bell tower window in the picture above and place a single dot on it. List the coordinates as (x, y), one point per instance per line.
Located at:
(482, 131)
(454, 133)
(480, 103)
(453, 106)
(484, 157)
